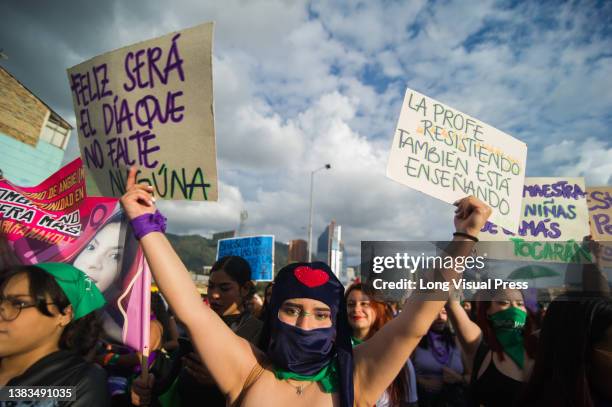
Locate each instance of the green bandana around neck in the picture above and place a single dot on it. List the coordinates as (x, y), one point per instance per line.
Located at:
(508, 326)
(82, 293)
(356, 341)
(327, 377)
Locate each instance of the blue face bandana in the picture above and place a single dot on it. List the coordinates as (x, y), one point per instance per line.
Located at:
(299, 351)
(309, 352)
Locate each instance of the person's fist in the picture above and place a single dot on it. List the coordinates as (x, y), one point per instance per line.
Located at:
(141, 390)
(138, 199)
(471, 215)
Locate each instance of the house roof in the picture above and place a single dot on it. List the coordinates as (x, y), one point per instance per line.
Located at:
(54, 115)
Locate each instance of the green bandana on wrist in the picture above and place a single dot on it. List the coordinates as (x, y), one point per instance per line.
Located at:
(508, 326)
(327, 377)
(82, 293)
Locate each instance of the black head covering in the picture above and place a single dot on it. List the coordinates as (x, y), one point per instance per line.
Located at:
(307, 352)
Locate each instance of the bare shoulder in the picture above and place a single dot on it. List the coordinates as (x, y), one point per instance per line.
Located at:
(272, 392)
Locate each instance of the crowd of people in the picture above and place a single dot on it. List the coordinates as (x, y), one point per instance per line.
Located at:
(306, 341)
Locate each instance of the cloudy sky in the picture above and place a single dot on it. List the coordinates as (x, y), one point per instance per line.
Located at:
(301, 84)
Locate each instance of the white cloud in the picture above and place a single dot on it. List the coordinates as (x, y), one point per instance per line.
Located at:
(300, 84)
(204, 217)
(390, 64)
(589, 159)
(368, 25)
(260, 142)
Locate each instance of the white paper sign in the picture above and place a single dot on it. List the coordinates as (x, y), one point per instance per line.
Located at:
(449, 155)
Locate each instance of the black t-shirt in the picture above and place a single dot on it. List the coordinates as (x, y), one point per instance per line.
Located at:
(65, 368)
(492, 388)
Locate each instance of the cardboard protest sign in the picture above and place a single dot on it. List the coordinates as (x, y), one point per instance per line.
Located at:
(151, 105)
(554, 222)
(553, 209)
(257, 250)
(449, 155)
(57, 222)
(606, 257)
(600, 212)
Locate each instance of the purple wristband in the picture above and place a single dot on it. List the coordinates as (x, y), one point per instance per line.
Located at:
(147, 223)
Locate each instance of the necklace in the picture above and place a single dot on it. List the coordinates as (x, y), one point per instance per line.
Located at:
(299, 389)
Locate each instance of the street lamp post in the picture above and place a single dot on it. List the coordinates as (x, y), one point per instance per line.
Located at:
(312, 173)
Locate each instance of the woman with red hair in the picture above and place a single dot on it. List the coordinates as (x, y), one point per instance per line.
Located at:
(366, 316)
(499, 346)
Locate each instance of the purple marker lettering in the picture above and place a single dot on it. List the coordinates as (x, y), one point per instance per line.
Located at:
(124, 117)
(75, 87)
(82, 89)
(132, 85)
(143, 106)
(85, 127)
(175, 112)
(118, 152)
(138, 68)
(174, 61)
(489, 227)
(94, 153)
(602, 223)
(153, 55)
(144, 149)
(108, 117)
(90, 88)
(101, 76)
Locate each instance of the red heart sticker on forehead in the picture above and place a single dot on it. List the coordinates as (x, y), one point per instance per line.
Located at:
(310, 277)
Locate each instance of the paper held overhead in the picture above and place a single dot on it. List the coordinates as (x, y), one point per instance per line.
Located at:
(447, 154)
(150, 105)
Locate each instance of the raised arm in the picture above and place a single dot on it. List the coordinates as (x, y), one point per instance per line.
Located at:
(228, 357)
(378, 360)
(468, 332)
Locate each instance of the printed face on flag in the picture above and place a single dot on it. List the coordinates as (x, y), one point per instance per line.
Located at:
(108, 254)
(101, 257)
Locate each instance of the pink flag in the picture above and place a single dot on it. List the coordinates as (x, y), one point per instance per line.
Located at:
(57, 222)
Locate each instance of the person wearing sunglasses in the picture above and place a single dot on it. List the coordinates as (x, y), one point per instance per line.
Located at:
(47, 328)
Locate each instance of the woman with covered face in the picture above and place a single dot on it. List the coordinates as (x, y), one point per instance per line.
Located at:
(306, 357)
(500, 346)
(439, 366)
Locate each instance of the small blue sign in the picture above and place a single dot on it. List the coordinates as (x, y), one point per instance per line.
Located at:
(257, 250)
